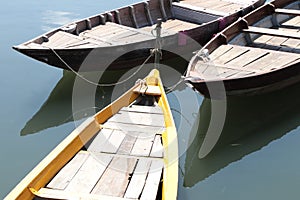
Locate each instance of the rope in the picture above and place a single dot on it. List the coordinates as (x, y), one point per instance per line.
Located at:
(103, 84)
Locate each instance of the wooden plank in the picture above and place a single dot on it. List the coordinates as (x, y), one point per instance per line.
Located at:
(157, 148)
(143, 145)
(133, 127)
(143, 109)
(100, 140)
(287, 11)
(130, 29)
(272, 32)
(148, 14)
(248, 57)
(89, 173)
(116, 177)
(127, 144)
(277, 41)
(149, 90)
(65, 175)
(162, 9)
(153, 180)
(185, 5)
(138, 179)
(114, 142)
(132, 15)
(279, 63)
(92, 36)
(230, 55)
(293, 22)
(220, 51)
(59, 194)
(149, 119)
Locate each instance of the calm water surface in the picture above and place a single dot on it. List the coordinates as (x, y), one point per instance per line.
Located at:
(256, 157)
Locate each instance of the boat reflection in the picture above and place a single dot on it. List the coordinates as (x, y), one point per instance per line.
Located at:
(251, 123)
(57, 109)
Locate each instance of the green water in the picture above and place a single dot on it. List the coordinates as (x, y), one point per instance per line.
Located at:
(256, 156)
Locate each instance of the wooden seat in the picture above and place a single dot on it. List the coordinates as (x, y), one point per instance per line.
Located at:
(272, 32)
(287, 11)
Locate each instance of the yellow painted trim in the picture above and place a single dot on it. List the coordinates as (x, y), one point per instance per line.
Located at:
(170, 143)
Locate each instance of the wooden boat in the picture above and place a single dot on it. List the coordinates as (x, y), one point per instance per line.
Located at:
(258, 53)
(122, 38)
(128, 150)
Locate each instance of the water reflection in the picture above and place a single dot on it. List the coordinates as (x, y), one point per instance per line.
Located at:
(251, 124)
(57, 109)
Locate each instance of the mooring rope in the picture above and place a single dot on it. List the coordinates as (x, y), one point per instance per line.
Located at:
(102, 84)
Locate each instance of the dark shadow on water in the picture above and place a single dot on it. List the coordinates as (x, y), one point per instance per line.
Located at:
(251, 123)
(57, 109)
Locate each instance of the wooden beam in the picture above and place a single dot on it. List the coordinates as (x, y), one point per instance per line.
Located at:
(102, 19)
(287, 11)
(117, 16)
(59, 194)
(162, 9)
(147, 11)
(133, 18)
(272, 32)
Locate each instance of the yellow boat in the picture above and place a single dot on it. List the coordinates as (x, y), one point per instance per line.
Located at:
(128, 150)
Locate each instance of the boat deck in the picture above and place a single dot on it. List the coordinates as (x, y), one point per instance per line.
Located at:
(233, 61)
(221, 6)
(135, 23)
(123, 161)
(270, 49)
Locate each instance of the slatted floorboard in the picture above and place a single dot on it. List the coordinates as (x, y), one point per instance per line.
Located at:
(233, 61)
(121, 162)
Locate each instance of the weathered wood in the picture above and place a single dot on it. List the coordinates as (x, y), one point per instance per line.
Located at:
(138, 179)
(65, 175)
(149, 90)
(143, 109)
(116, 177)
(102, 19)
(132, 127)
(127, 144)
(87, 35)
(272, 32)
(287, 11)
(157, 148)
(246, 58)
(117, 16)
(89, 173)
(143, 146)
(59, 194)
(138, 118)
(132, 15)
(162, 9)
(100, 140)
(113, 143)
(230, 55)
(148, 14)
(153, 180)
(198, 8)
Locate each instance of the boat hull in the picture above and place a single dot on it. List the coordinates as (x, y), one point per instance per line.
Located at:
(254, 85)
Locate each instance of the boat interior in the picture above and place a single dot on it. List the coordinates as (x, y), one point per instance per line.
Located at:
(252, 47)
(135, 23)
(123, 161)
